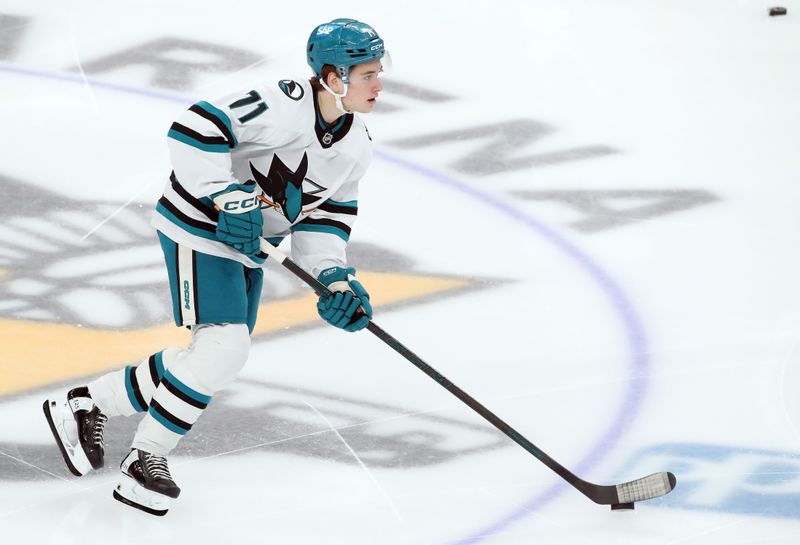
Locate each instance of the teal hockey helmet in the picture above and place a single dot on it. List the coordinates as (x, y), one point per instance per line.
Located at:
(343, 43)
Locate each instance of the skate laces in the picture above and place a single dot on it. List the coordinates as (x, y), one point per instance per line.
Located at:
(156, 466)
(97, 430)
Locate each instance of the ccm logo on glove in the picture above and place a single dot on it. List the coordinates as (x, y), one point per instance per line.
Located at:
(237, 202)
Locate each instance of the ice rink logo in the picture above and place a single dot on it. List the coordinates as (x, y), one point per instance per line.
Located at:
(727, 479)
(62, 291)
(279, 421)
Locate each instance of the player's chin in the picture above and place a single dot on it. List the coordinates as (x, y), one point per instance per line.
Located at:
(365, 106)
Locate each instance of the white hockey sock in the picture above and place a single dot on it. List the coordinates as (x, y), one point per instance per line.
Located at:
(211, 362)
(129, 390)
(175, 407)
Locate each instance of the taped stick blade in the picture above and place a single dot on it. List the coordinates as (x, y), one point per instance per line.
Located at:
(646, 488)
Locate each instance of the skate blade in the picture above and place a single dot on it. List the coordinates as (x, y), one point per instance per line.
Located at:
(129, 492)
(73, 455)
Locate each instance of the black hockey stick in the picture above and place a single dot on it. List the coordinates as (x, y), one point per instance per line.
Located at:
(620, 496)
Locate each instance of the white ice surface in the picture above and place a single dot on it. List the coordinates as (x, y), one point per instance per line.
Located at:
(691, 319)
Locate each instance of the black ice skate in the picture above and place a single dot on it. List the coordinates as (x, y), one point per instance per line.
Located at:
(77, 425)
(146, 483)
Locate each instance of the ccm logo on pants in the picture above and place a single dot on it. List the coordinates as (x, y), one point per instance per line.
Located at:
(187, 280)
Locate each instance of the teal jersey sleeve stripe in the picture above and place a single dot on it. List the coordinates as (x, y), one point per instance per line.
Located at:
(222, 116)
(349, 204)
(194, 394)
(321, 229)
(212, 148)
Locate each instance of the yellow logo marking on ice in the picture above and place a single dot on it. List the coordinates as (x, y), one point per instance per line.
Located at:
(35, 354)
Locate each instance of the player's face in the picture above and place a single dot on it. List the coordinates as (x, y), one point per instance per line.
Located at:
(364, 87)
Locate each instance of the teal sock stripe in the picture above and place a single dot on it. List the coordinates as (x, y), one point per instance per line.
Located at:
(129, 370)
(156, 365)
(159, 359)
(166, 423)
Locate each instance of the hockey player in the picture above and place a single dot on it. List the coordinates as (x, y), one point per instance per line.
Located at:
(281, 159)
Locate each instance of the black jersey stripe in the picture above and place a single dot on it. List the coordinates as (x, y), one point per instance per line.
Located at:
(223, 128)
(208, 212)
(326, 222)
(213, 140)
(309, 199)
(163, 201)
(338, 209)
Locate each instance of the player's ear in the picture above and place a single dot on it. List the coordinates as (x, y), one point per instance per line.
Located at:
(335, 82)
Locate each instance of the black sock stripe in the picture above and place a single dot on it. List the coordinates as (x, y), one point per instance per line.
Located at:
(136, 391)
(183, 397)
(157, 407)
(153, 370)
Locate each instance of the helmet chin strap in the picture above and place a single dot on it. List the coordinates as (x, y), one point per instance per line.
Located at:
(339, 105)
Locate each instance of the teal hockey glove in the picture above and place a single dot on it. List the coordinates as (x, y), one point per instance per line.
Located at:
(240, 221)
(348, 307)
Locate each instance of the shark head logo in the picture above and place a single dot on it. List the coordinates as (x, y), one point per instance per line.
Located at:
(283, 185)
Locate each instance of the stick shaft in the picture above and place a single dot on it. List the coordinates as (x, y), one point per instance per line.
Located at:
(404, 351)
(645, 488)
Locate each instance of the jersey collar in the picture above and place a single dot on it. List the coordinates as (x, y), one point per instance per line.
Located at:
(330, 133)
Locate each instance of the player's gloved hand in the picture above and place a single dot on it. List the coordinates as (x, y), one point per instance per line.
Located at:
(240, 221)
(348, 307)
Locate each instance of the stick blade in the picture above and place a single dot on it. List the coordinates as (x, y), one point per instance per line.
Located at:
(646, 488)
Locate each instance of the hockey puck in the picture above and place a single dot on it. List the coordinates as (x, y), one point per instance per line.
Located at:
(777, 10)
(622, 506)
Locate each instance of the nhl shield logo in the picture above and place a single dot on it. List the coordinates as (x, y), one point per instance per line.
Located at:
(291, 89)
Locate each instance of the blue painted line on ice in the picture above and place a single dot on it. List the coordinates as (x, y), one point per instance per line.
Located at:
(75, 78)
(634, 330)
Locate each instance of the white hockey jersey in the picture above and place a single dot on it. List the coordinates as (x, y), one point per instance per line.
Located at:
(307, 172)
